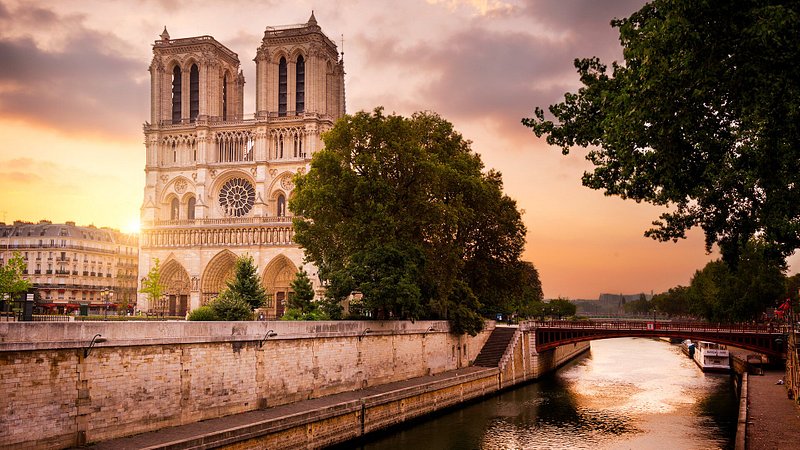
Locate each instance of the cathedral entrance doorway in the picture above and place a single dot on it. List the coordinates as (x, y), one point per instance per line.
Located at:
(218, 271)
(277, 280)
(176, 290)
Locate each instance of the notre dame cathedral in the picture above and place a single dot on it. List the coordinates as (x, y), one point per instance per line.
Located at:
(217, 181)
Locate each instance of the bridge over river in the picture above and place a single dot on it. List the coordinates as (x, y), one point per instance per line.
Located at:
(762, 338)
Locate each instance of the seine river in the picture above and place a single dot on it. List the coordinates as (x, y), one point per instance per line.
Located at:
(625, 394)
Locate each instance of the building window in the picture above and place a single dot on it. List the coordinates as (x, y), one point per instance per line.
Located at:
(281, 206)
(300, 79)
(298, 146)
(237, 197)
(282, 88)
(190, 208)
(174, 210)
(176, 95)
(194, 92)
(225, 97)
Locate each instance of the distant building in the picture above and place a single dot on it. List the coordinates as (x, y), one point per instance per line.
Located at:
(70, 265)
(218, 182)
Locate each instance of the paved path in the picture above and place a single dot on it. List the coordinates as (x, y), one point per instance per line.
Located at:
(773, 419)
(179, 436)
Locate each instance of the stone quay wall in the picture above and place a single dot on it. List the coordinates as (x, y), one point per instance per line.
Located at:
(151, 375)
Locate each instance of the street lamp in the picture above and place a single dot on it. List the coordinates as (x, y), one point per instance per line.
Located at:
(108, 296)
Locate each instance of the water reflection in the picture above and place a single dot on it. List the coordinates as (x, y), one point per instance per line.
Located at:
(626, 393)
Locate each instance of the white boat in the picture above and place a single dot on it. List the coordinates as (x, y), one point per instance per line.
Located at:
(709, 356)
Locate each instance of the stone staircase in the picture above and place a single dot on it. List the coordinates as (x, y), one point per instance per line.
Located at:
(495, 347)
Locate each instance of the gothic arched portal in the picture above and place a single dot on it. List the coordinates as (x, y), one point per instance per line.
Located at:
(176, 289)
(218, 271)
(278, 276)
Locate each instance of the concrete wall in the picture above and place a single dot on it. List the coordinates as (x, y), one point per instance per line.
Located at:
(150, 375)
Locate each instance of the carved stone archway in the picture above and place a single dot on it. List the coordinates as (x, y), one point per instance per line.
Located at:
(278, 276)
(176, 289)
(218, 271)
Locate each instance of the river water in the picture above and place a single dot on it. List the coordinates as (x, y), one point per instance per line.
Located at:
(627, 393)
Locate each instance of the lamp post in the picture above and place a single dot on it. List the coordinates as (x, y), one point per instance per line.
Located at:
(108, 295)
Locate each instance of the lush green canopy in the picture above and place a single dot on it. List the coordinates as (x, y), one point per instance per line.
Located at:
(400, 210)
(703, 118)
(246, 284)
(11, 281)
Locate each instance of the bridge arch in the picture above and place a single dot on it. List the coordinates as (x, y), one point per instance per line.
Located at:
(758, 338)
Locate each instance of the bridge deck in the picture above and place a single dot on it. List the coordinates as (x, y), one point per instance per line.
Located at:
(762, 338)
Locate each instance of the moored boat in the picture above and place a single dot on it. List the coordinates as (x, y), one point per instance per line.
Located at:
(709, 356)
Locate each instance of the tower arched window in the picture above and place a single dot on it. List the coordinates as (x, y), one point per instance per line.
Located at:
(174, 210)
(176, 95)
(280, 147)
(281, 206)
(300, 84)
(190, 208)
(282, 87)
(194, 92)
(225, 97)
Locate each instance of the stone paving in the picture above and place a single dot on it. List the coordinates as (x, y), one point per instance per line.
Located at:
(192, 435)
(773, 421)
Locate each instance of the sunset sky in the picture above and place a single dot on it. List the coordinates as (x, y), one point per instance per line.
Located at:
(74, 93)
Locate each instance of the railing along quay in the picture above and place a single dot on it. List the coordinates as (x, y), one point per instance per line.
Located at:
(659, 325)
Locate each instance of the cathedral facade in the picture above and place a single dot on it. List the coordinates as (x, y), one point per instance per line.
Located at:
(218, 182)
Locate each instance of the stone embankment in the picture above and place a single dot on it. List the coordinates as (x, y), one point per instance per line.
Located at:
(768, 419)
(171, 376)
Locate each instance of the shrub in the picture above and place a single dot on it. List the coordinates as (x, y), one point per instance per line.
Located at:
(231, 306)
(203, 314)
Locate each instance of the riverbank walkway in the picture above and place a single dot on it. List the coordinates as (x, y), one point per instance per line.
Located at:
(230, 429)
(773, 421)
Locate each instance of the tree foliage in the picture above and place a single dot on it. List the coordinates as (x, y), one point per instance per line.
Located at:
(151, 284)
(674, 302)
(720, 293)
(703, 118)
(228, 306)
(301, 302)
(246, 284)
(11, 281)
(400, 210)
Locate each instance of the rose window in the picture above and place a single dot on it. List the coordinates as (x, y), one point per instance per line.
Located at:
(236, 197)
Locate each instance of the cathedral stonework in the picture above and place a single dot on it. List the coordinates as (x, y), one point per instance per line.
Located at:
(218, 182)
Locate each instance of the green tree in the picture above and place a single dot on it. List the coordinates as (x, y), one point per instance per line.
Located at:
(246, 284)
(400, 210)
(11, 281)
(203, 313)
(674, 302)
(703, 118)
(720, 293)
(561, 307)
(302, 292)
(301, 302)
(152, 286)
(230, 305)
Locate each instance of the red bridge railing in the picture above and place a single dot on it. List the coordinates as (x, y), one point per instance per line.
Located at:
(658, 325)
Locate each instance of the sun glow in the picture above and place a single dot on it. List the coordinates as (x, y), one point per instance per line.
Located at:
(133, 227)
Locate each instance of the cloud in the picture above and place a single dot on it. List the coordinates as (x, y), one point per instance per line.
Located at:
(495, 69)
(82, 86)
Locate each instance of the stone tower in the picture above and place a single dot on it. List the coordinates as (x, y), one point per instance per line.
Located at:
(217, 181)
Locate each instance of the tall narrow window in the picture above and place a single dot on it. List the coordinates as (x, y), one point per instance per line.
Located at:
(173, 210)
(190, 208)
(281, 206)
(300, 82)
(225, 97)
(194, 92)
(176, 95)
(282, 88)
(280, 147)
